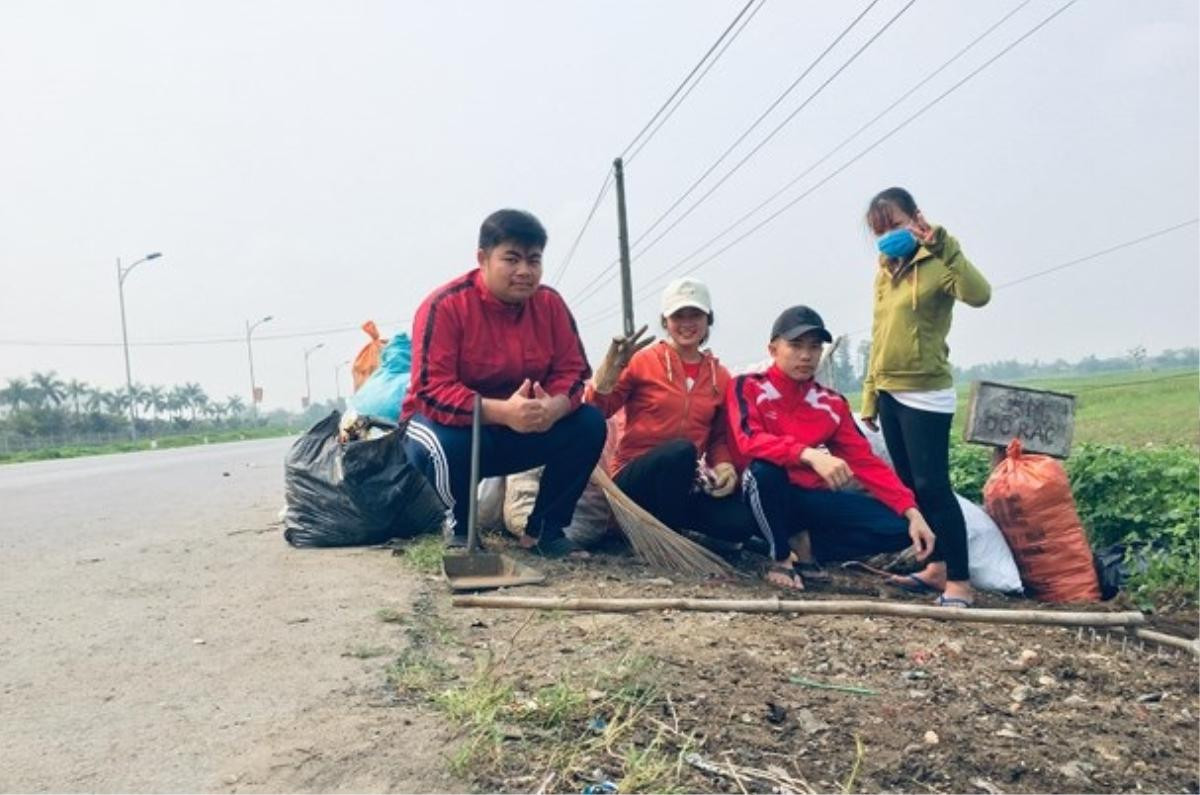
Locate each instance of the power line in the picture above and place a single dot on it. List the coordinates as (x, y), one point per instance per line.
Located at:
(1096, 254)
(773, 132)
(595, 282)
(696, 82)
(562, 269)
(188, 343)
(680, 87)
(753, 211)
(649, 286)
(1073, 262)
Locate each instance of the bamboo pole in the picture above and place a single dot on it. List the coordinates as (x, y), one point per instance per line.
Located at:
(813, 608)
(1174, 641)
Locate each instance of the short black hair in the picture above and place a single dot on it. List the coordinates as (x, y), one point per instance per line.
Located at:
(519, 226)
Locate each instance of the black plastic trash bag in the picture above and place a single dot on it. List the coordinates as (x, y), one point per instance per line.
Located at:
(360, 492)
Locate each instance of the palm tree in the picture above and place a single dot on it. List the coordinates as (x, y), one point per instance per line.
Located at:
(156, 399)
(177, 401)
(196, 399)
(234, 405)
(18, 392)
(50, 386)
(76, 389)
(97, 399)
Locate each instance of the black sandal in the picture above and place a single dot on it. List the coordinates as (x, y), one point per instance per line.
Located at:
(812, 571)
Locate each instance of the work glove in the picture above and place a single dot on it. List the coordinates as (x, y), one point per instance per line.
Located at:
(725, 479)
(620, 351)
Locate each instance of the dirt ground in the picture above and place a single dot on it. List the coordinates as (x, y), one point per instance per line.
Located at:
(177, 644)
(950, 707)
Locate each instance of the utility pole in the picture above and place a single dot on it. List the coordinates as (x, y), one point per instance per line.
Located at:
(307, 381)
(250, 355)
(623, 237)
(122, 273)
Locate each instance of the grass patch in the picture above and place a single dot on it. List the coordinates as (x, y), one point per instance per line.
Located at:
(415, 672)
(162, 443)
(1137, 408)
(366, 652)
(424, 554)
(390, 615)
(585, 722)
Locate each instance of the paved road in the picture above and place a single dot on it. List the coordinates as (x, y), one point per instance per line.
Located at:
(160, 636)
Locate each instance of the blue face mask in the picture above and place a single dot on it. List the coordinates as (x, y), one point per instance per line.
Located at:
(898, 243)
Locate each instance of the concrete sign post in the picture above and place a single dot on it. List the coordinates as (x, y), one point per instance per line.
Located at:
(998, 413)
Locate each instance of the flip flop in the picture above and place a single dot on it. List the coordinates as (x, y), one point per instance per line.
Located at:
(951, 601)
(559, 547)
(811, 571)
(914, 584)
(790, 572)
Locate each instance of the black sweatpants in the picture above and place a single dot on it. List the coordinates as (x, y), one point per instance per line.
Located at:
(661, 482)
(919, 444)
(569, 451)
(842, 525)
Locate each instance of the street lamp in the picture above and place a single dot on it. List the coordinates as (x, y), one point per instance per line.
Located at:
(337, 380)
(307, 384)
(121, 274)
(250, 355)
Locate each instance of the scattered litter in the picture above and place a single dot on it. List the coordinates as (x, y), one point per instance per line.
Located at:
(1150, 698)
(810, 723)
(597, 724)
(861, 691)
(931, 738)
(915, 674)
(198, 641)
(605, 787)
(1076, 769)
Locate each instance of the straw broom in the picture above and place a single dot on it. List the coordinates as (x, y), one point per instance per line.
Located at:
(654, 542)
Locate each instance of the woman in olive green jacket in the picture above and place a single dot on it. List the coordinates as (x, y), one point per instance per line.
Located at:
(909, 387)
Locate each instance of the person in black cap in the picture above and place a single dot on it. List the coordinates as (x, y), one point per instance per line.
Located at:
(800, 449)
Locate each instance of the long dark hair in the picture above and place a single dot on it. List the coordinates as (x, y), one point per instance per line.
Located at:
(879, 211)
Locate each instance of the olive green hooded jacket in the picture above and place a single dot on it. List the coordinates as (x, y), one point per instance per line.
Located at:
(913, 308)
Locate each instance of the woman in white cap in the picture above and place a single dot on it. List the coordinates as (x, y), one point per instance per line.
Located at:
(673, 395)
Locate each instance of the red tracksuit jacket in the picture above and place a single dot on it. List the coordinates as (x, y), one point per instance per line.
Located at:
(465, 340)
(774, 419)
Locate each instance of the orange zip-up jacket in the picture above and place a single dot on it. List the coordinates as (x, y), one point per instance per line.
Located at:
(660, 408)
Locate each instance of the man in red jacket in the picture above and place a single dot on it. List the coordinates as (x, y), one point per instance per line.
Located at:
(496, 331)
(799, 447)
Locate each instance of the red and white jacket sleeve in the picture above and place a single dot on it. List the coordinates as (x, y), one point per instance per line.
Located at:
(753, 435)
(439, 392)
(880, 480)
(569, 370)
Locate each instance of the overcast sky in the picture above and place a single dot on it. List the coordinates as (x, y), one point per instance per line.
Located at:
(329, 163)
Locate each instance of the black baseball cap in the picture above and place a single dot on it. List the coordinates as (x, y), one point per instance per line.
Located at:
(797, 321)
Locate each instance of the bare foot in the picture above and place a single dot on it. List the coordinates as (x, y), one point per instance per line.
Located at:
(783, 575)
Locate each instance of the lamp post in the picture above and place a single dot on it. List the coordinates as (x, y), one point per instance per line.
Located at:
(337, 380)
(250, 355)
(307, 383)
(122, 273)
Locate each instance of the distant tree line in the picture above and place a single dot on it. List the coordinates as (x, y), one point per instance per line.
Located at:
(46, 405)
(846, 370)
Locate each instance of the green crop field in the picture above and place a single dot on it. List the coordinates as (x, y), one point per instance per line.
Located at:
(1137, 408)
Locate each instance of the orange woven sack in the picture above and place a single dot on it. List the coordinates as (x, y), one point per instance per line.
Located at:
(1029, 496)
(367, 360)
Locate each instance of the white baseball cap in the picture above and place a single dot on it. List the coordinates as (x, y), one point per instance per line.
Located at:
(683, 293)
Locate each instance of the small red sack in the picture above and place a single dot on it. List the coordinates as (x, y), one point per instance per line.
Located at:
(367, 360)
(1029, 496)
